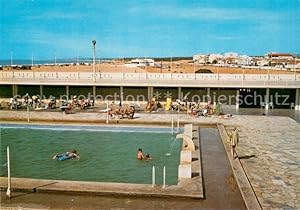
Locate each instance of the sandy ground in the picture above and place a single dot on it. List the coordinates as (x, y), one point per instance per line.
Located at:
(183, 66)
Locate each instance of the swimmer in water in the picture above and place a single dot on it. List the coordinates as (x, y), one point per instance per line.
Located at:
(72, 154)
(148, 157)
(139, 154)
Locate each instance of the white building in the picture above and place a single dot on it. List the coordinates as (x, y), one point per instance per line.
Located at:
(231, 55)
(244, 60)
(215, 58)
(140, 63)
(280, 59)
(150, 62)
(262, 62)
(279, 56)
(200, 58)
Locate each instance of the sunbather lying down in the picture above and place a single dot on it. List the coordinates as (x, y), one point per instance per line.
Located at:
(225, 116)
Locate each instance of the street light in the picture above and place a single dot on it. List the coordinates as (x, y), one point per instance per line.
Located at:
(295, 67)
(32, 59)
(94, 62)
(11, 59)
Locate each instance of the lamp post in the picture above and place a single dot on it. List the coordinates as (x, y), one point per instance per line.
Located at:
(295, 67)
(11, 59)
(171, 64)
(55, 61)
(195, 66)
(32, 60)
(94, 62)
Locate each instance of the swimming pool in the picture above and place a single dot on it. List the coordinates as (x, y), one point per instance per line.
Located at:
(107, 154)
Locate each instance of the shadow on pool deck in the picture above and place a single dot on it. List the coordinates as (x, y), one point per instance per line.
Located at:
(247, 157)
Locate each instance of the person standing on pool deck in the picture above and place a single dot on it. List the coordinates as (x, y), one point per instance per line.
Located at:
(233, 143)
(139, 154)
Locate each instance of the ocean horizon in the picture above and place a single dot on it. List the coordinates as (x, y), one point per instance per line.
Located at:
(8, 62)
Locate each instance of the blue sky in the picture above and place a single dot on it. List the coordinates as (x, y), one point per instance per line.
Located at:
(144, 28)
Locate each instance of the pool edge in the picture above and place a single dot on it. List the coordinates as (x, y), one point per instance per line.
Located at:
(98, 188)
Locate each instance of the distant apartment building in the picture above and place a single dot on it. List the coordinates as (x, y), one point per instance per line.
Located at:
(279, 56)
(215, 58)
(259, 61)
(280, 59)
(244, 60)
(235, 58)
(230, 55)
(226, 59)
(200, 59)
(295, 65)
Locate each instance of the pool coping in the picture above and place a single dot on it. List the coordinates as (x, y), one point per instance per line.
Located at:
(98, 188)
(99, 121)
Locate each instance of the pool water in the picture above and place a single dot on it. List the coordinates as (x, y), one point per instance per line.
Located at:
(105, 155)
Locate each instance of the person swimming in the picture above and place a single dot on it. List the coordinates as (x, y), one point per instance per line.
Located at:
(148, 157)
(139, 154)
(66, 155)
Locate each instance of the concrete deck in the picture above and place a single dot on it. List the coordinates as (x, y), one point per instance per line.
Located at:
(196, 161)
(185, 189)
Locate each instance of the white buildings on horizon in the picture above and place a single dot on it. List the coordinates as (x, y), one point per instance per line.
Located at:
(280, 60)
(272, 59)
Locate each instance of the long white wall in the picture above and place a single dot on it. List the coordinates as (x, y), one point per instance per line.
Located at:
(151, 79)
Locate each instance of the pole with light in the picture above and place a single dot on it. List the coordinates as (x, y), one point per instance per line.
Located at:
(94, 60)
(11, 59)
(295, 67)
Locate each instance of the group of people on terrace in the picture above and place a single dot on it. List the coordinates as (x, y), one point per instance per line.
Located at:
(192, 108)
(124, 109)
